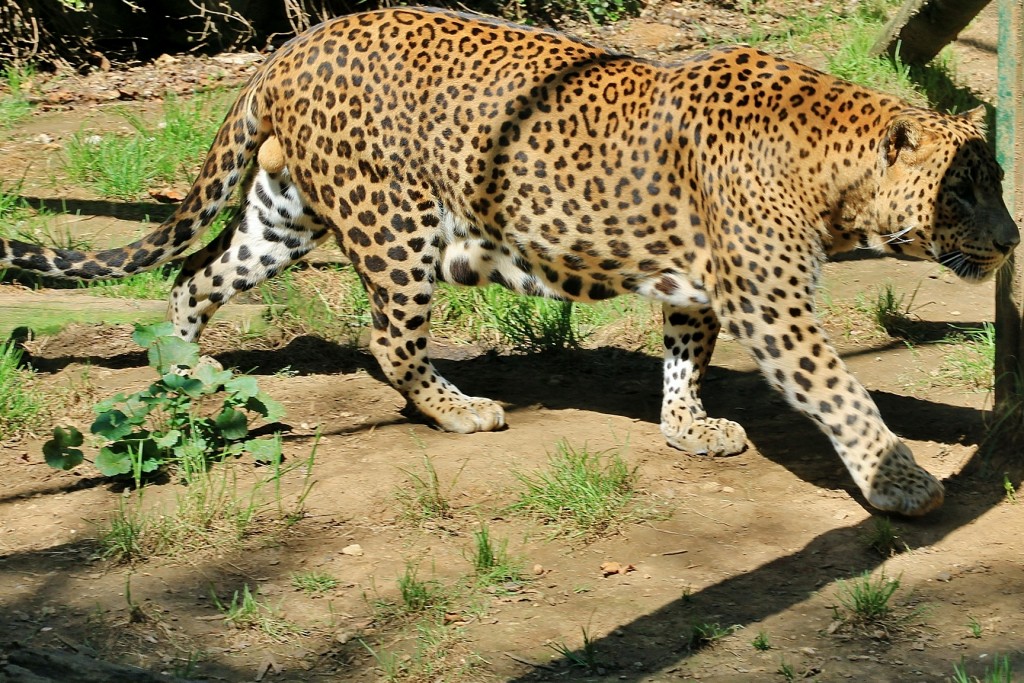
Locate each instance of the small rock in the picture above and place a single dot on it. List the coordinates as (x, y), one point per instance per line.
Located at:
(354, 549)
(166, 195)
(612, 568)
(943, 576)
(538, 569)
(240, 58)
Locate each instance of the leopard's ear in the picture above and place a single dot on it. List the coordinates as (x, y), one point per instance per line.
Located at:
(904, 136)
(978, 116)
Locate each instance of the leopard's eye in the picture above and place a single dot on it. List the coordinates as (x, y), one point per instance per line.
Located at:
(964, 190)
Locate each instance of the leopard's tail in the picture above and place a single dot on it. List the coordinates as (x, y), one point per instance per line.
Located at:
(245, 127)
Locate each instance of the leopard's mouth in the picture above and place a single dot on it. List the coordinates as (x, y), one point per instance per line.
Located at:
(971, 267)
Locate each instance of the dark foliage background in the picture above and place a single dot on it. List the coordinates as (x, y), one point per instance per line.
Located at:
(80, 33)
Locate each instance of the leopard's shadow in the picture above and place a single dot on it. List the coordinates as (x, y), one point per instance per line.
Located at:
(616, 382)
(613, 381)
(628, 383)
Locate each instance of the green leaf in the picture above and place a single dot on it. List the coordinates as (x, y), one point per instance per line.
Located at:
(118, 457)
(137, 405)
(262, 404)
(114, 425)
(210, 375)
(59, 451)
(151, 464)
(265, 450)
(184, 384)
(146, 335)
(168, 353)
(111, 462)
(236, 448)
(194, 447)
(232, 424)
(108, 403)
(242, 386)
(169, 440)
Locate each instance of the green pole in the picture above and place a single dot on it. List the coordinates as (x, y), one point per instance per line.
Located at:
(1009, 365)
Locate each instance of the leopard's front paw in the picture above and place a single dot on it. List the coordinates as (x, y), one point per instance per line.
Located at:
(469, 414)
(707, 436)
(901, 485)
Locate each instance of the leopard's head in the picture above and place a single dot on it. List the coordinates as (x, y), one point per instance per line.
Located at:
(940, 194)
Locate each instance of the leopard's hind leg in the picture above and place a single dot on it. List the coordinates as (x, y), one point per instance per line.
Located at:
(690, 335)
(273, 231)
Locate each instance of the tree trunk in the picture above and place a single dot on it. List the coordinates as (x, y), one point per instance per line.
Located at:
(921, 28)
(20, 664)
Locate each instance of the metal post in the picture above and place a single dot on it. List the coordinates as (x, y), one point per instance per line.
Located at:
(1009, 365)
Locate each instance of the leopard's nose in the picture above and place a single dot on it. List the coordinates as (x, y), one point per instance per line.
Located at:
(1008, 243)
(1007, 235)
(1005, 248)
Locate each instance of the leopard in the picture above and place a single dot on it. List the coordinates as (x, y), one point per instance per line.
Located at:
(437, 146)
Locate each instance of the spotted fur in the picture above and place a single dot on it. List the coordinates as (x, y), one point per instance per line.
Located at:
(439, 146)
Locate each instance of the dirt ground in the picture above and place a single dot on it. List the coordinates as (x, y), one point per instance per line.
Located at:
(758, 541)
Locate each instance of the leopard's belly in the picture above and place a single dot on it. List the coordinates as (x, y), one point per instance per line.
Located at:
(472, 256)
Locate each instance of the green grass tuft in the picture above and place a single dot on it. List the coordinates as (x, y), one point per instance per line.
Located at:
(705, 634)
(972, 357)
(1000, 671)
(314, 582)
(170, 151)
(246, 612)
(884, 538)
(585, 657)
(14, 104)
(423, 498)
(329, 303)
(580, 492)
(866, 598)
(491, 562)
(23, 407)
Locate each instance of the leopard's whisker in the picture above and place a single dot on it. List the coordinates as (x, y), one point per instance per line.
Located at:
(897, 237)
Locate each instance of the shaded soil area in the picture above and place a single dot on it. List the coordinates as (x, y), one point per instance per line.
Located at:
(758, 543)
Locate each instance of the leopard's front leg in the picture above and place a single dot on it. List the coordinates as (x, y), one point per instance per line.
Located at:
(796, 358)
(690, 335)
